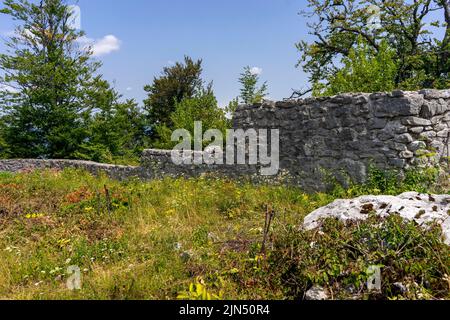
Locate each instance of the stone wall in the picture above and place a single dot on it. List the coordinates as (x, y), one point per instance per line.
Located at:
(344, 135)
(158, 164)
(114, 171)
(340, 136)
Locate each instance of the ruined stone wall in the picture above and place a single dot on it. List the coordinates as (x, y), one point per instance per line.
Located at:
(114, 171)
(339, 136)
(344, 135)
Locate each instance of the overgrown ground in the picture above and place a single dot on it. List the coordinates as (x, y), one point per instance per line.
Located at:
(203, 238)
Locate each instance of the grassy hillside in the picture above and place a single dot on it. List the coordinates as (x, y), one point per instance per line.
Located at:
(202, 238)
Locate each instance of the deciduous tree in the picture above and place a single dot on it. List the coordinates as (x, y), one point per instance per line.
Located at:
(336, 26)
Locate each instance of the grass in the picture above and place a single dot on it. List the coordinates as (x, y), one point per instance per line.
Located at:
(195, 239)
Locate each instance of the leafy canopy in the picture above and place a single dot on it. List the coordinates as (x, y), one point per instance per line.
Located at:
(177, 82)
(409, 27)
(363, 70)
(202, 107)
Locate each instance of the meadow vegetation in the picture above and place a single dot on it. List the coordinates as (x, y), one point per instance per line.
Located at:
(204, 239)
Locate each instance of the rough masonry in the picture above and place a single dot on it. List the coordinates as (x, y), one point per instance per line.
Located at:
(340, 136)
(345, 134)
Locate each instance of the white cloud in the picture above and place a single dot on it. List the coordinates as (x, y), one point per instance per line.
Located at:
(101, 47)
(106, 45)
(256, 70)
(129, 89)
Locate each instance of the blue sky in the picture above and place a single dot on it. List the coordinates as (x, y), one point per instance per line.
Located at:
(137, 38)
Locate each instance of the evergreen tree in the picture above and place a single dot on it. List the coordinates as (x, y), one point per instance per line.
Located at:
(250, 93)
(52, 78)
(55, 105)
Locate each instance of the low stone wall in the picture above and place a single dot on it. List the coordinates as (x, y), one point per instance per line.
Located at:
(158, 164)
(115, 172)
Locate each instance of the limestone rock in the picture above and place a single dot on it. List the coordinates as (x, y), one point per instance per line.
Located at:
(422, 208)
(415, 121)
(316, 293)
(435, 94)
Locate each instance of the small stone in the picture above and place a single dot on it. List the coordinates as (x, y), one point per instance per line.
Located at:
(415, 121)
(400, 287)
(429, 135)
(435, 94)
(317, 293)
(417, 145)
(377, 123)
(401, 129)
(443, 134)
(398, 93)
(378, 95)
(416, 130)
(398, 163)
(404, 138)
(397, 146)
(429, 110)
(342, 99)
(406, 155)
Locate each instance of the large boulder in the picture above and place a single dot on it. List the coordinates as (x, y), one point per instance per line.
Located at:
(422, 208)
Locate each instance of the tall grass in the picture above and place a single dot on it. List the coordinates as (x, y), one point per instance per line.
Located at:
(136, 240)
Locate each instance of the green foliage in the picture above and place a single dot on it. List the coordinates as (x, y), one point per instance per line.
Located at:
(231, 108)
(56, 107)
(183, 80)
(250, 93)
(339, 256)
(150, 240)
(392, 182)
(363, 70)
(202, 108)
(117, 134)
(199, 291)
(51, 77)
(421, 53)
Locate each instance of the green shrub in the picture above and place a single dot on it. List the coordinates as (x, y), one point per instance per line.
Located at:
(339, 255)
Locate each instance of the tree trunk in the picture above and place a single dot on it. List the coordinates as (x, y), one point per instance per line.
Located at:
(443, 66)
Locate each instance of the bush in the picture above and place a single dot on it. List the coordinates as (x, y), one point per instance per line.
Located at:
(202, 108)
(363, 71)
(338, 256)
(381, 182)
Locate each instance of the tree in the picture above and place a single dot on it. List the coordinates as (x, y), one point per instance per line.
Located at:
(183, 80)
(336, 26)
(54, 105)
(250, 93)
(51, 81)
(115, 130)
(363, 70)
(202, 107)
